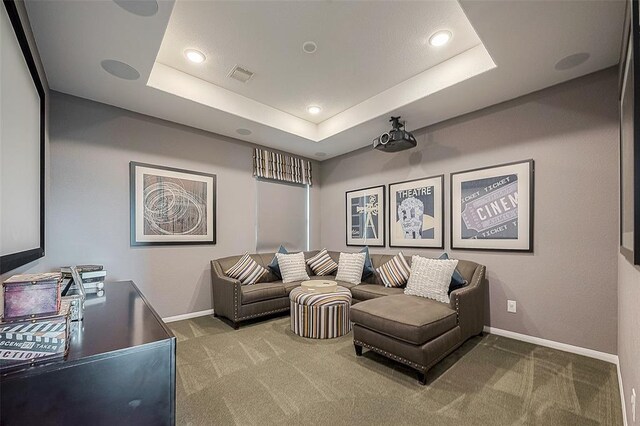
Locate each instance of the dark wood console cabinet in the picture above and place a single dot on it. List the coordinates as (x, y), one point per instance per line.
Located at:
(120, 370)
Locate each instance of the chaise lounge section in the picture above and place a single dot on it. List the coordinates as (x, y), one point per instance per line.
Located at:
(417, 331)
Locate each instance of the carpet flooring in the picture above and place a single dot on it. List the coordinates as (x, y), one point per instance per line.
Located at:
(263, 374)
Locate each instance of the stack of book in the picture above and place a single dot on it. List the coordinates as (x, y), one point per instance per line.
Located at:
(93, 276)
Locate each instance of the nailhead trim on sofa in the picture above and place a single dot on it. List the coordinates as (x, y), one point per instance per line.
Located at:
(263, 314)
(392, 356)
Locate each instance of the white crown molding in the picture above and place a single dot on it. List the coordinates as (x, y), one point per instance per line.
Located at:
(457, 69)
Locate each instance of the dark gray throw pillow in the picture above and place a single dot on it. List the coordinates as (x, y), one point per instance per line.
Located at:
(273, 266)
(368, 268)
(457, 281)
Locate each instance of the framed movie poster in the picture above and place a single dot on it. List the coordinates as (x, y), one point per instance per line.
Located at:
(416, 213)
(492, 208)
(171, 206)
(365, 217)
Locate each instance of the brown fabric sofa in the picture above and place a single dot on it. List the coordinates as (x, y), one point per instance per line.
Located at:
(413, 330)
(417, 331)
(238, 303)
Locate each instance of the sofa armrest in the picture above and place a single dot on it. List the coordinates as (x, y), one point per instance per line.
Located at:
(468, 302)
(226, 293)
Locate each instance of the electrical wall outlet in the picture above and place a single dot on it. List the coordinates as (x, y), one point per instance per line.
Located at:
(633, 404)
(511, 306)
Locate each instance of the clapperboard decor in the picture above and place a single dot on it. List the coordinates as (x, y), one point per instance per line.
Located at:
(34, 340)
(492, 208)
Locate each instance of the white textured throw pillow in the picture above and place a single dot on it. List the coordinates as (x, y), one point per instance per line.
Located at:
(350, 267)
(430, 278)
(292, 267)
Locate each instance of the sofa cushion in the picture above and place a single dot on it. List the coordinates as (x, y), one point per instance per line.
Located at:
(368, 269)
(273, 265)
(372, 291)
(292, 267)
(412, 319)
(262, 291)
(350, 267)
(322, 264)
(431, 278)
(246, 270)
(457, 280)
(395, 272)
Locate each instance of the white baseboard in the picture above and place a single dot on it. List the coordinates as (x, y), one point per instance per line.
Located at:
(622, 400)
(613, 359)
(188, 316)
(603, 356)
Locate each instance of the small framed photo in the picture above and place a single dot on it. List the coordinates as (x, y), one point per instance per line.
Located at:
(492, 208)
(171, 206)
(416, 213)
(365, 217)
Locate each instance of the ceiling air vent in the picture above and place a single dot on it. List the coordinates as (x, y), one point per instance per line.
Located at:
(240, 74)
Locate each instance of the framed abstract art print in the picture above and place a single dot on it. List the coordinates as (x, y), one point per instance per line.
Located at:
(171, 206)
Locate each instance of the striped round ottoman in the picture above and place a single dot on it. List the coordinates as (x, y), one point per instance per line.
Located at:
(320, 316)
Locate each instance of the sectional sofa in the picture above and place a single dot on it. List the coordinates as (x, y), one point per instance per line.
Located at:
(413, 330)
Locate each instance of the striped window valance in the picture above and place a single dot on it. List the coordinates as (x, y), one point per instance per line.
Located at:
(271, 165)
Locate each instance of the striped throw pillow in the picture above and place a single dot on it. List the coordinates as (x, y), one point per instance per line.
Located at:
(322, 263)
(395, 273)
(246, 270)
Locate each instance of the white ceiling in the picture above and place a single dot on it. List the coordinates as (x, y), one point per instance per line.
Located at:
(373, 60)
(361, 52)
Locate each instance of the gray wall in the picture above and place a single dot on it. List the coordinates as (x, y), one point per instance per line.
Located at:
(91, 147)
(566, 290)
(629, 330)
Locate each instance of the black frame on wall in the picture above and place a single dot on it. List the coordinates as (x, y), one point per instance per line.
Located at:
(633, 256)
(529, 249)
(14, 260)
(382, 223)
(132, 206)
(390, 213)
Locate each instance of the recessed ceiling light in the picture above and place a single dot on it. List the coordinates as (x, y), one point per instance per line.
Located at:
(309, 47)
(321, 154)
(243, 132)
(440, 38)
(194, 56)
(314, 109)
(120, 69)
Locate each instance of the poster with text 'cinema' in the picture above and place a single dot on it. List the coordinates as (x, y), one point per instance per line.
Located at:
(492, 208)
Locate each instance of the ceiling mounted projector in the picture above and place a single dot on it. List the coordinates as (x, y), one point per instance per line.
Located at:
(396, 139)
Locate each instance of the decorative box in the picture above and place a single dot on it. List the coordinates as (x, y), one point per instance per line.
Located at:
(31, 295)
(28, 341)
